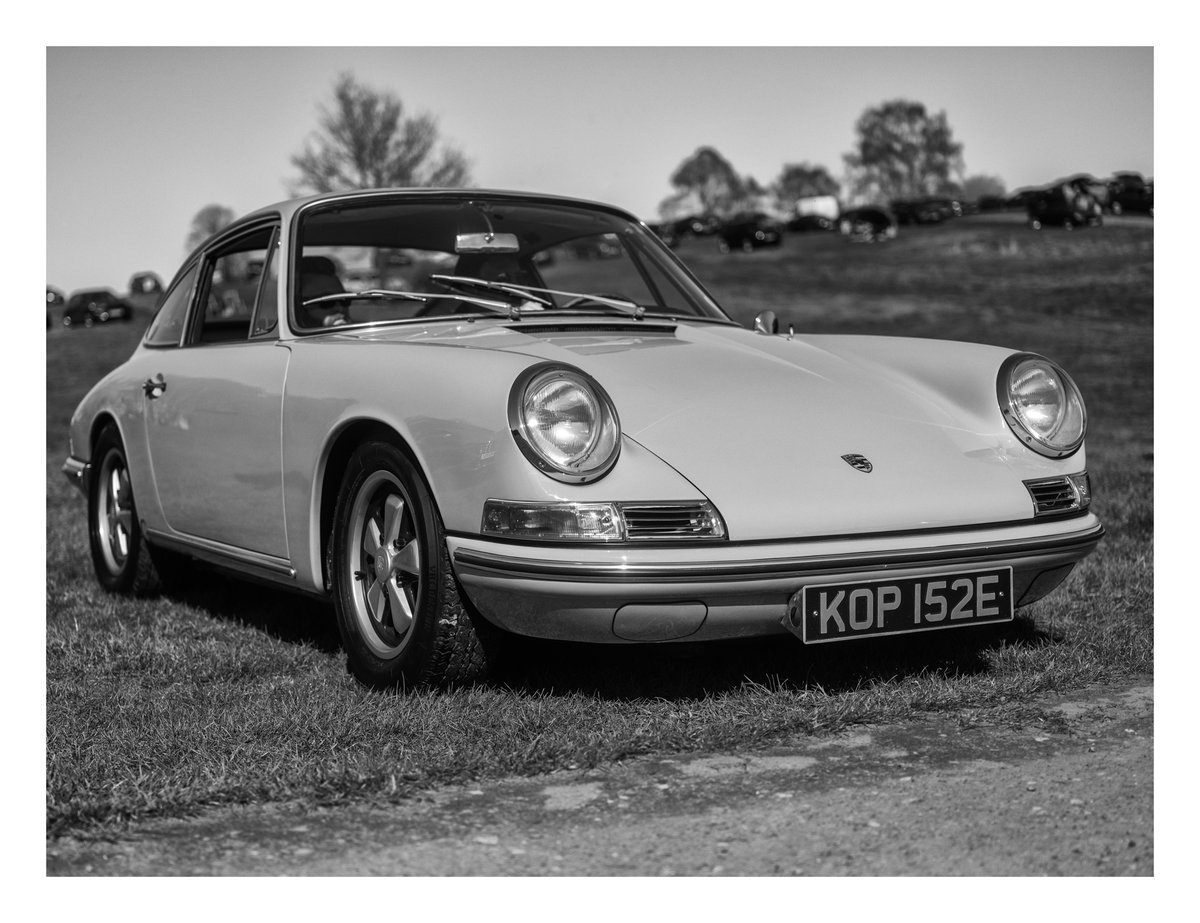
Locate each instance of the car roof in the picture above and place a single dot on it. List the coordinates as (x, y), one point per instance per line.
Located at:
(91, 292)
(288, 207)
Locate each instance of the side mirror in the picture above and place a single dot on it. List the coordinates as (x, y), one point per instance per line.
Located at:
(766, 323)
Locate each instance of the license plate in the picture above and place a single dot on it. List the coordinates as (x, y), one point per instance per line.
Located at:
(843, 611)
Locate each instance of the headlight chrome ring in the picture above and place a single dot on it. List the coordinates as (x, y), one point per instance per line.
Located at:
(564, 423)
(1041, 404)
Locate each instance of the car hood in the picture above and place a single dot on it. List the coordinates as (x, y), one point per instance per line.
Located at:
(764, 426)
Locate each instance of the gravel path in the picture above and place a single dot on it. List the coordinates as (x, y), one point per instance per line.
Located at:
(1070, 795)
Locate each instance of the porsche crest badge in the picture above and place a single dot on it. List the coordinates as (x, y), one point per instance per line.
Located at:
(858, 462)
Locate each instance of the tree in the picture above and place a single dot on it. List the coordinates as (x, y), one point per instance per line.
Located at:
(978, 186)
(708, 178)
(206, 223)
(903, 152)
(802, 181)
(365, 141)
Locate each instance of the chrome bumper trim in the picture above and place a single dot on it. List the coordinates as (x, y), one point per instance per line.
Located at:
(768, 568)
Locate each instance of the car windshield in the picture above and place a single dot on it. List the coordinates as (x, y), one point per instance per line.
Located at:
(399, 258)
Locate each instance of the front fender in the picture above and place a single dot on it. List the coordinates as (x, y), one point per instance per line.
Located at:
(449, 406)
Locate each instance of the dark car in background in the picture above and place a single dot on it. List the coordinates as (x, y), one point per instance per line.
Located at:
(90, 306)
(54, 301)
(925, 211)
(1069, 203)
(1130, 192)
(812, 223)
(672, 232)
(869, 224)
(749, 231)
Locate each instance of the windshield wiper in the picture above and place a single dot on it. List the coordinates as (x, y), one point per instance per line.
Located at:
(506, 288)
(367, 293)
(624, 305)
(501, 307)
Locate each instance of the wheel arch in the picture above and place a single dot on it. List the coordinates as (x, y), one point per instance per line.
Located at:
(336, 458)
(99, 424)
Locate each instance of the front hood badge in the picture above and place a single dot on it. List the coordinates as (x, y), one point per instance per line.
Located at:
(858, 462)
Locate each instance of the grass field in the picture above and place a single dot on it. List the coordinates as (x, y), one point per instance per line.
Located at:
(226, 692)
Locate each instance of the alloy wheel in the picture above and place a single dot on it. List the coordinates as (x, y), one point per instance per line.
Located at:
(384, 561)
(115, 508)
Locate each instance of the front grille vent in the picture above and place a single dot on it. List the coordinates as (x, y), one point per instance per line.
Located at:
(1053, 495)
(666, 522)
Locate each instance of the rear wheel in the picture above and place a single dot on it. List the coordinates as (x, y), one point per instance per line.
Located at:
(120, 556)
(399, 612)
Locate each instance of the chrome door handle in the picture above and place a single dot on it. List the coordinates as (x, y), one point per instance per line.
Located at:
(154, 387)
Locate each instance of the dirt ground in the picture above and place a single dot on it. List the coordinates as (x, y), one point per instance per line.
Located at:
(1071, 795)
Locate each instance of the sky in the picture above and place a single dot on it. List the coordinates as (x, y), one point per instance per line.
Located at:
(139, 139)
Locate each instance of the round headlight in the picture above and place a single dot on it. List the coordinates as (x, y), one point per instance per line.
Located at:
(1042, 405)
(565, 423)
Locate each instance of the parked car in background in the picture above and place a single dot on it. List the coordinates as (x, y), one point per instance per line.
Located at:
(145, 283)
(95, 306)
(815, 213)
(1130, 193)
(812, 223)
(54, 301)
(1068, 203)
(673, 231)
(868, 224)
(749, 231)
(575, 448)
(925, 211)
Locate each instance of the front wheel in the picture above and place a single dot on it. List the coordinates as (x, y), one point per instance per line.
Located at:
(399, 613)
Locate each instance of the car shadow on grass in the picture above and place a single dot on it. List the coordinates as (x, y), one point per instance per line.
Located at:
(283, 615)
(673, 671)
(681, 671)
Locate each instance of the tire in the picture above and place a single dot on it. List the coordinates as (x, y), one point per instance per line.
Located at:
(120, 556)
(1035, 224)
(399, 612)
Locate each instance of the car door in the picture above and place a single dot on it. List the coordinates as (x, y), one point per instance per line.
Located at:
(213, 410)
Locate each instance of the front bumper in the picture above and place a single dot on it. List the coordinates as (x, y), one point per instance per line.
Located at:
(736, 589)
